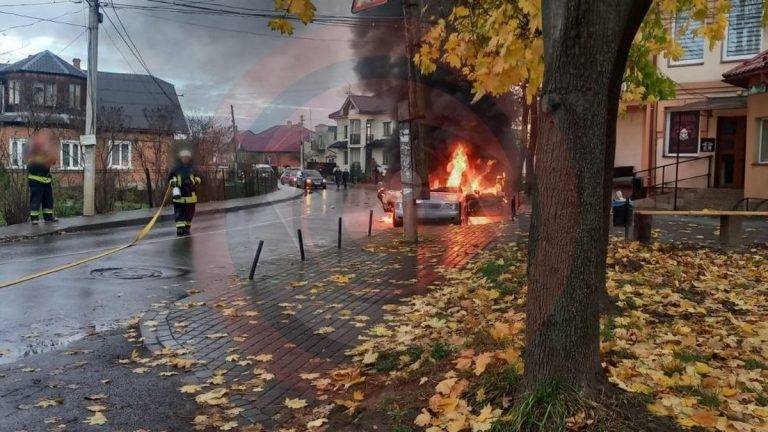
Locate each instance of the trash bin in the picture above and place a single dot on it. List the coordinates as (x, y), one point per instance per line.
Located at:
(622, 212)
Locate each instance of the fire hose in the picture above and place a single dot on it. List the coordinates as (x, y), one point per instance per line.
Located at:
(139, 236)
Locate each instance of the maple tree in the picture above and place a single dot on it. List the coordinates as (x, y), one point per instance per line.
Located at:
(583, 59)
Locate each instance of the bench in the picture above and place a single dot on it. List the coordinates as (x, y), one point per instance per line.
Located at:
(730, 222)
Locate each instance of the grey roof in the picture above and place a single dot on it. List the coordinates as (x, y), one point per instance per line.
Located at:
(44, 62)
(139, 95)
(377, 104)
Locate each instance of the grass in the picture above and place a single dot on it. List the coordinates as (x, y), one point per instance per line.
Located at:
(686, 356)
(442, 350)
(496, 384)
(706, 398)
(606, 331)
(753, 364)
(543, 410)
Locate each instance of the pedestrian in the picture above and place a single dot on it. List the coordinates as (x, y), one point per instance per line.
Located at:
(337, 177)
(40, 182)
(345, 177)
(184, 182)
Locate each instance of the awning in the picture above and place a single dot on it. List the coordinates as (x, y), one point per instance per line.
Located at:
(341, 145)
(720, 103)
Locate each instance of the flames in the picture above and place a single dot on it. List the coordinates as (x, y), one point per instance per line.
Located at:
(470, 176)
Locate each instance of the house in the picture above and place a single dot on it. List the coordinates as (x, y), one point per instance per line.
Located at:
(710, 135)
(138, 117)
(365, 126)
(276, 146)
(318, 151)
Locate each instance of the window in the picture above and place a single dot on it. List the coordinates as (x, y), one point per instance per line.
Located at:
(388, 129)
(346, 131)
(74, 96)
(691, 43)
(120, 155)
(385, 157)
(742, 40)
(682, 133)
(50, 94)
(346, 157)
(368, 131)
(14, 92)
(71, 155)
(354, 155)
(354, 138)
(18, 152)
(38, 94)
(762, 151)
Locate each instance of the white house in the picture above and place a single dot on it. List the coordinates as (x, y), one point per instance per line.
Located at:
(365, 126)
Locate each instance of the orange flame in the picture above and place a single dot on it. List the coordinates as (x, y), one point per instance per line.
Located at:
(457, 166)
(463, 174)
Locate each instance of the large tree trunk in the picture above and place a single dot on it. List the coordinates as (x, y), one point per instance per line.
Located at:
(533, 137)
(585, 52)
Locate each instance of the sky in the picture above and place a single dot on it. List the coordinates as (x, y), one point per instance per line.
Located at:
(214, 61)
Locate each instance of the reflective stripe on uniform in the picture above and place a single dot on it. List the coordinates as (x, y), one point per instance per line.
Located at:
(34, 213)
(40, 179)
(47, 211)
(181, 224)
(186, 200)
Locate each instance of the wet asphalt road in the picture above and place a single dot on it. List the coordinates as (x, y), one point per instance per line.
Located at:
(49, 313)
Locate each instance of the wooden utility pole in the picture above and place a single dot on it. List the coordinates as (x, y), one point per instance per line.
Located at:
(235, 146)
(88, 140)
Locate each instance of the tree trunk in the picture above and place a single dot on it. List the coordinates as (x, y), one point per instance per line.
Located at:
(530, 151)
(586, 44)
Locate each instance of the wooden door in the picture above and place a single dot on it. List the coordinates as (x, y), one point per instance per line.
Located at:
(731, 152)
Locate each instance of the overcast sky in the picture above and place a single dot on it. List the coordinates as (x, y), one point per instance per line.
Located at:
(213, 61)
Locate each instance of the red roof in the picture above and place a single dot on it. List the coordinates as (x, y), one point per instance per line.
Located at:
(282, 139)
(740, 74)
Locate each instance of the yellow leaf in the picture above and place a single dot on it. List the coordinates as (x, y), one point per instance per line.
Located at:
(295, 403)
(97, 419)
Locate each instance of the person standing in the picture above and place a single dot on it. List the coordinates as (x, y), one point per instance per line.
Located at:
(40, 182)
(184, 182)
(345, 177)
(337, 177)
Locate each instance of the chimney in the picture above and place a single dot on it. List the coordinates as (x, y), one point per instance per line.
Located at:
(76, 63)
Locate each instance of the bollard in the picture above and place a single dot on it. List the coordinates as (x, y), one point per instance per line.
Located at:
(256, 260)
(301, 245)
(370, 223)
(339, 233)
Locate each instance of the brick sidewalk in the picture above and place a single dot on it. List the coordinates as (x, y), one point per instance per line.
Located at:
(306, 316)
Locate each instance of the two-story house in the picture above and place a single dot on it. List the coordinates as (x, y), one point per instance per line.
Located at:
(365, 127)
(138, 116)
(710, 135)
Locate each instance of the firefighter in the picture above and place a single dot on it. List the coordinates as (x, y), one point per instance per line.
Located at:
(184, 181)
(39, 164)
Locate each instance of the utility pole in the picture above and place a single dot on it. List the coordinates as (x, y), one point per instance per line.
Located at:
(301, 142)
(88, 140)
(411, 135)
(234, 140)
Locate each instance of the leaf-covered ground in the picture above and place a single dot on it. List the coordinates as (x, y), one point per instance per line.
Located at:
(689, 341)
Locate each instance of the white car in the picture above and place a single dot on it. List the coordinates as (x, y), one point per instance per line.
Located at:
(444, 205)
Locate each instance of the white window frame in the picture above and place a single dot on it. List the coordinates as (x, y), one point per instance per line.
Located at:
(724, 54)
(20, 158)
(119, 145)
(760, 144)
(14, 92)
(386, 129)
(690, 62)
(50, 97)
(38, 88)
(667, 131)
(74, 95)
(69, 144)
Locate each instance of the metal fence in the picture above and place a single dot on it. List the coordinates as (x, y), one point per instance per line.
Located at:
(120, 190)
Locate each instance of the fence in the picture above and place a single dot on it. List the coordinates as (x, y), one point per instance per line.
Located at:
(120, 190)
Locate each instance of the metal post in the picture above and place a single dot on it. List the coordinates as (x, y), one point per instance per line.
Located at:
(370, 223)
(234, 138)
(256, 260)
(88, 140)
(627, 209)
(677, 173)
(339, 233)
(663, 177)
(301, 245)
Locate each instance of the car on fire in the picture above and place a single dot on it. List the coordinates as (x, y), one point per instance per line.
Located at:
(445, 204)
(310, 179)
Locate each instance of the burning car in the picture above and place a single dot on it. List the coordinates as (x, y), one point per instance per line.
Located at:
(444, 204)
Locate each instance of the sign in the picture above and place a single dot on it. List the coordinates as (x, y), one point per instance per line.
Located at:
(362, 5)
(707, 145)
(88, 140)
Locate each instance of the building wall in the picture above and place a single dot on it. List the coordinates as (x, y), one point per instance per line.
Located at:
(756, 174)
(631, 142)
(377, 130)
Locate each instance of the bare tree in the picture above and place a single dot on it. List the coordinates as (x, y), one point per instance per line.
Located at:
(210, 140)
(113, 128)
(154, 155)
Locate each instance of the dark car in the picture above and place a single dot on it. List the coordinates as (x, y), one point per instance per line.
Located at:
(289, 177)
(310, 179)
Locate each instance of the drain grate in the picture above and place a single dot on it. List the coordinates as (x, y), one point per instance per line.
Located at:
(128, 273)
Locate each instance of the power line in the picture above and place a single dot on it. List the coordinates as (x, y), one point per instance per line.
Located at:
(52, 20)
(71, 42)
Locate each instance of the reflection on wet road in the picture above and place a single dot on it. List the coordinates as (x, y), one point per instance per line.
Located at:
(49, 312)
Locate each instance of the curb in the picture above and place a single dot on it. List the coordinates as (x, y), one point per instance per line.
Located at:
(143, 220)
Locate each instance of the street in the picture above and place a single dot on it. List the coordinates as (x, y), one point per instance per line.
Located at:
(51, 312)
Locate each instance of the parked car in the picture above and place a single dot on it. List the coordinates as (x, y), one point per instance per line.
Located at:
(289, 177)
(263, 171)
(310, 179)
(444, 205)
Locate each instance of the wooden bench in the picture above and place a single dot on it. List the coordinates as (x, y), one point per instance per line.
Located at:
(730, 222)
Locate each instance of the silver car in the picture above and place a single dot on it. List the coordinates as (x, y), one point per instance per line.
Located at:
(444, 205)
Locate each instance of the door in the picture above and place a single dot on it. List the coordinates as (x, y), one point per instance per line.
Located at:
(731, 151)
